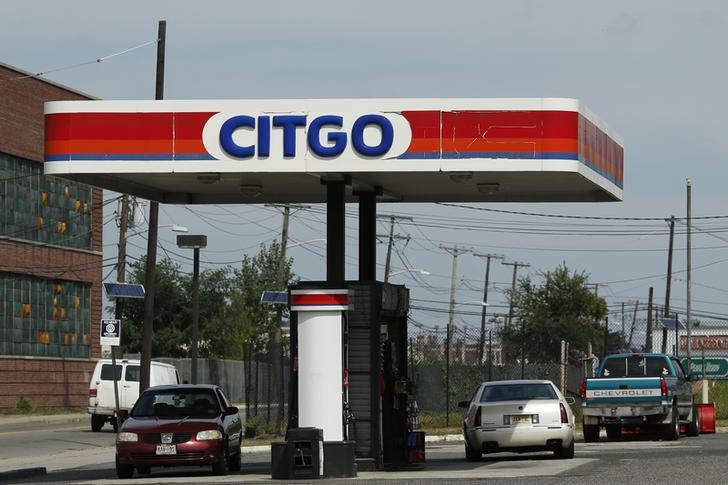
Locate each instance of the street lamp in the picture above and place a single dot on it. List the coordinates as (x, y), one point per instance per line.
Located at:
(194, 242)
(409, 270)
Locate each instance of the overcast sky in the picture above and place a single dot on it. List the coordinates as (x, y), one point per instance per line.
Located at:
(655, 71)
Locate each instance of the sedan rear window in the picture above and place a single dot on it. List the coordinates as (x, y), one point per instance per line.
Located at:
(517, 392)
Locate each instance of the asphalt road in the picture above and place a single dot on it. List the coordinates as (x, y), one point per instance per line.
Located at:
(73, 454)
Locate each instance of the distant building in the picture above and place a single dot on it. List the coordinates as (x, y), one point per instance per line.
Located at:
(50, 258)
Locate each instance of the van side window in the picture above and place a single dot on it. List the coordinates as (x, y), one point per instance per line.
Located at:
(132, 373)
(107, 372)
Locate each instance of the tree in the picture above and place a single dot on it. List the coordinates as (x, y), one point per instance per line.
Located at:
(562, 308)
(171, 311)
(220, 334)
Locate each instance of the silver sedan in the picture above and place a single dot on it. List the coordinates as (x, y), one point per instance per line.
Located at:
(519, 416)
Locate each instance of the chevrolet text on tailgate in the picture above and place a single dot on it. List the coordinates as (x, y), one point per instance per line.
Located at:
(649, 393)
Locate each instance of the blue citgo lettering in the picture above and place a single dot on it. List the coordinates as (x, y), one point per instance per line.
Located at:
(337, 139)
(289, 124)
(263, 136)
(226, 136)
(357, 135)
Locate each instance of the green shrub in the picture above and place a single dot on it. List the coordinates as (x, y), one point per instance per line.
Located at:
(24, 405)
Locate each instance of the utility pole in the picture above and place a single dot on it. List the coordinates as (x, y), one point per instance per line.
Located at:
(276, 348)
(515, 265)
(455, 251)
(481, 345)
(121, 261)
(689, 271)
(390, 242)
(669, 267)
(648, 339)
(151, 266)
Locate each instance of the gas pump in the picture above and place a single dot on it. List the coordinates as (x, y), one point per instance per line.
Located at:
(375, 405)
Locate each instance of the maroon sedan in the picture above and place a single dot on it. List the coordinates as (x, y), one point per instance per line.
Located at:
(179, 425)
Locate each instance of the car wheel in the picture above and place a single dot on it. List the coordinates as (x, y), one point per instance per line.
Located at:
(693, 427)
(565, 453)
(671, 431)
(472, 454)
(144, 469)
(221, 467)
(614, 431)
(124, 471)
(97, 422)
(591, 433)
(234, 463)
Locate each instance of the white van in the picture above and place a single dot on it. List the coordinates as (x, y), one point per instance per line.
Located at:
(101, 403)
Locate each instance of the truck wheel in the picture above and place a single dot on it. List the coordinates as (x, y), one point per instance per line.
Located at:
(693, 427)
(591, 433)
(614, 432)
(97, 422)
(671, 431)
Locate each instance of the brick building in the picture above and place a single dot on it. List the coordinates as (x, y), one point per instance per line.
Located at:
(50, 258)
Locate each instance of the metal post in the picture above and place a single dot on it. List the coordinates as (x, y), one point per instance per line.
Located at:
(688, 323)
(195, 314)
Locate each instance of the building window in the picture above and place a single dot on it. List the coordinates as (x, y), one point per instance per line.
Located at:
(44, 317)
(43, 208)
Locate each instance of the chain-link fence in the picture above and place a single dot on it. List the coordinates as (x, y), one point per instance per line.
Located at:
(250, 384)
(443, 378)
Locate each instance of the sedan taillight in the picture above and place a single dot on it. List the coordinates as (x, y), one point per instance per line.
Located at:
(476, 421)
(564, 415)
(92, 393)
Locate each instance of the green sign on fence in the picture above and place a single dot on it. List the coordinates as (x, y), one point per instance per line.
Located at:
(712, 367)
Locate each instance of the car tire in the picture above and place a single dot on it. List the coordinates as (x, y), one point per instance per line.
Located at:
(234, 463)
(671, 431)
(565, 453)
(472, 454)
(97, 422)
(614, 432)
(591, 433)
(124, 471)
(221, 467)
(693, 427)
(144, 469)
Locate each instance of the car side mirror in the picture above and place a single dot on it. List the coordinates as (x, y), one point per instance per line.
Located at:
(570, 400)
(464, 404)
(693, 377)
(123, 413)
(230, 410)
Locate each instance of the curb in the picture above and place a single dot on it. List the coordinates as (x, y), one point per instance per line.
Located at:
(23, 473)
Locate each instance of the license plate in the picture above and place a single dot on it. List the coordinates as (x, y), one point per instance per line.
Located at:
(166, 449)
(518, 419)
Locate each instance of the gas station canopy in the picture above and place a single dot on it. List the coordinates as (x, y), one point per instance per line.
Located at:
(281, 151)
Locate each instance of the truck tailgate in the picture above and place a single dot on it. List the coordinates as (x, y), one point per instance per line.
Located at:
(625, 390)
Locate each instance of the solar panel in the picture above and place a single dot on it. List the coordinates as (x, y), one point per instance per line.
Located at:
(274, 297)
(124, 290)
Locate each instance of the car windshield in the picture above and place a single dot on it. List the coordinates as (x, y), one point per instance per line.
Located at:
(636, 366)
(517, 392)
(176, 404)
